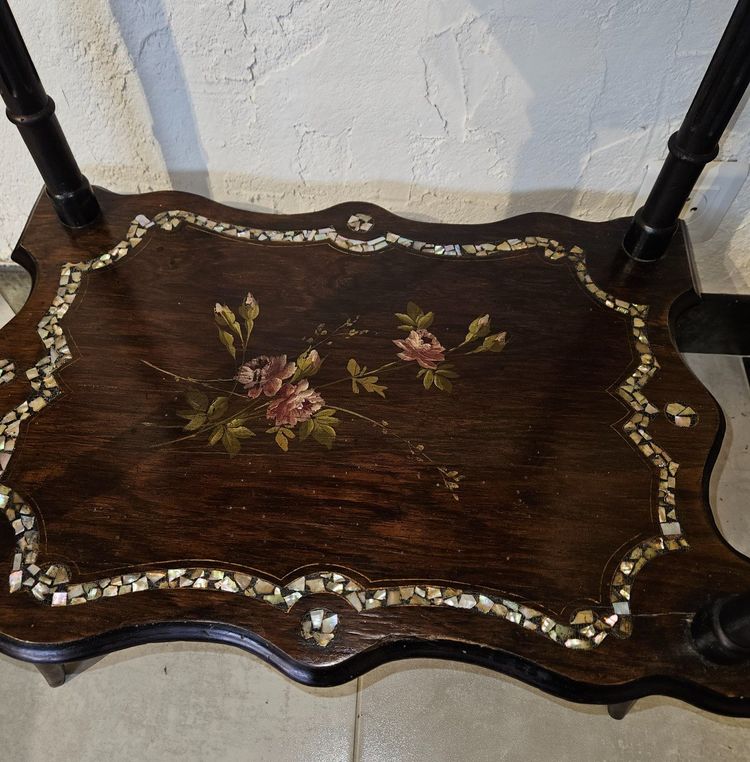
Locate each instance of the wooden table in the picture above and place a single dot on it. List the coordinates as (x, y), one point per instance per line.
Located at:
(343, 438)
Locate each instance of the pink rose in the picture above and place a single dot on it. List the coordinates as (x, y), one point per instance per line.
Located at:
(294, 404)
(264, 375)
(422, 346)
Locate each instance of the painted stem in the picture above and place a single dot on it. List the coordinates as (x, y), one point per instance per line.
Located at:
(413, 449)
(387, 430)
(191, 380)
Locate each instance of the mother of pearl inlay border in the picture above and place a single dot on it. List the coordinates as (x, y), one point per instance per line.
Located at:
(586, 629)
(7, 371)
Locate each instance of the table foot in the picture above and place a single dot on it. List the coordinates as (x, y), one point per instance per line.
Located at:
(54, 674)
(618, 711)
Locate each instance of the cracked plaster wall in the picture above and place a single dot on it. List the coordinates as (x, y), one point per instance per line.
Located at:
(451, 110)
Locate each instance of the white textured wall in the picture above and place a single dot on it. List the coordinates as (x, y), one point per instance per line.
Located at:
(452, 110)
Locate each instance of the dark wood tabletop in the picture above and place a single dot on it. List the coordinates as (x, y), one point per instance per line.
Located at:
(341, 438)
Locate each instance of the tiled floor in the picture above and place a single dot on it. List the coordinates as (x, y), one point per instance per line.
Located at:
(200, 702)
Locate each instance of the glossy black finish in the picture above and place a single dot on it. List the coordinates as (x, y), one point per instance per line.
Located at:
(696, 142)
(721, 631)
(33, 112)
(613, 696)
(715, 324)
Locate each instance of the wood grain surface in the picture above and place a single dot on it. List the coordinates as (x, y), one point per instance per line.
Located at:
(551, 492)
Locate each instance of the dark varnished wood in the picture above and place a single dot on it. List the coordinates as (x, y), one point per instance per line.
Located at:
(553, 495)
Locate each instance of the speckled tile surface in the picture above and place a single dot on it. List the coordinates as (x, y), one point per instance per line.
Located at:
(15, 284)
(427, 710)
(173, 701)
(730, 484)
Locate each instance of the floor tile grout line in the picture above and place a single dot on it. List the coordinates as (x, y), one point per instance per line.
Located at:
(355, 734)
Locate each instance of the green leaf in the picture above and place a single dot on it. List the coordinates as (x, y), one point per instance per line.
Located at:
(328, 418)
(496, 342)
(198, 420)
(282, 441)
(332, 422)
(429, 377)
(324, 435)
(288, 433)
(307, 366)
(446, 373)
(370, 384)
(197, 399)
(480, 326)
(248, 314)
(413, 311)
(231, 443)
(188, 414)
(353, 367)
(218, 408)
(216, 435)
(425, 321)
(444, 384)
(305, 429)
(406, 319)
(226, 318)
(241, 432)
(227, 340)
(407, 328)
(355, 388)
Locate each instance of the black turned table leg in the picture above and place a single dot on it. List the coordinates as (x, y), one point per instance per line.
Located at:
(54, 674)
(696, 142)
(618, 711)
(721, 630)
(33, 112)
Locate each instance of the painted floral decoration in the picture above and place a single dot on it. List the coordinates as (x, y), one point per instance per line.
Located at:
(273, 395)
(264, 375)
(422, 346)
